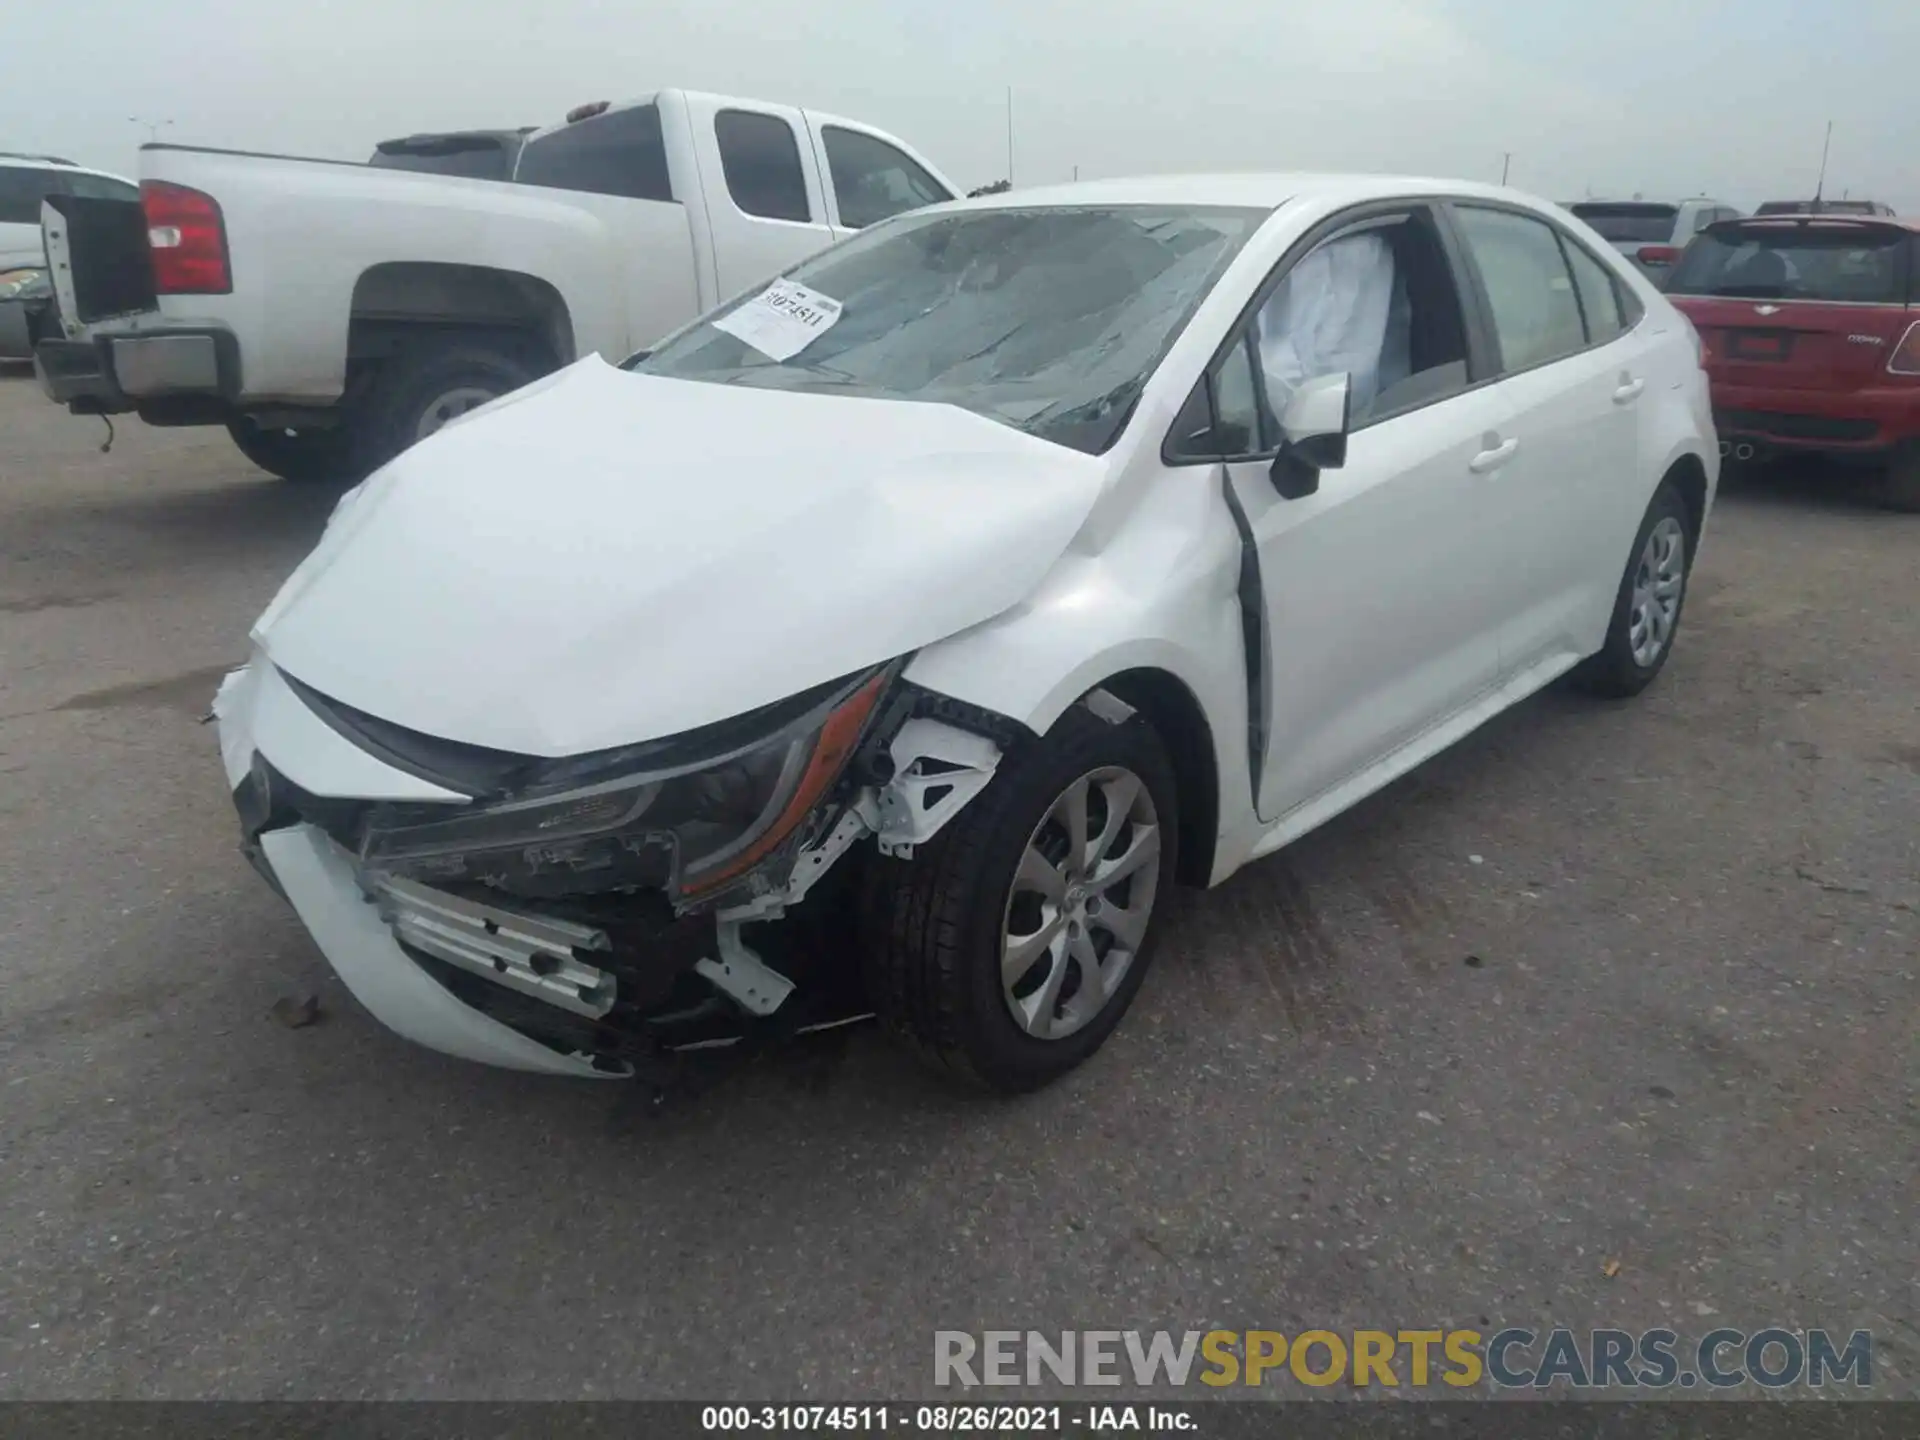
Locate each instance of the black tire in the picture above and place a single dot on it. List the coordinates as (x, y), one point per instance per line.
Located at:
(1900, 486)
(306, 457)
(425, 373)
(934, 924)
(1613, 671)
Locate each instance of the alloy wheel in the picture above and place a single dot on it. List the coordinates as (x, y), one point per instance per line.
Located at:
(1658, 582)
(1080, 903)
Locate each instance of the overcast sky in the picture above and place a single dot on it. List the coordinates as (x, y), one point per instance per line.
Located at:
(1727, 97)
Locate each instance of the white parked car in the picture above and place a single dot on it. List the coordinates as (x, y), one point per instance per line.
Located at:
(989, 574)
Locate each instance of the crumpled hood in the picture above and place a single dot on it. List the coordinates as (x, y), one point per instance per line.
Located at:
(603, 557)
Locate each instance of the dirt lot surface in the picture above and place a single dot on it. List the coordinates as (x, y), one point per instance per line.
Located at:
(1627, 983)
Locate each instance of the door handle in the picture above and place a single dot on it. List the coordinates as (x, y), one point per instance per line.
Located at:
(1629, 391)
(1487, 461)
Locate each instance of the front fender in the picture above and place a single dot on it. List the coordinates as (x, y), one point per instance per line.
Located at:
(1161, 595)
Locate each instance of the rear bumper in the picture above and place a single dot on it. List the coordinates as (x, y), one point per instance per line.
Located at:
(113, 373)
(1861, 422)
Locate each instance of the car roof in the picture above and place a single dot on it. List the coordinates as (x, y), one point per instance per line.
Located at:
(1246, 191)
(54, 162)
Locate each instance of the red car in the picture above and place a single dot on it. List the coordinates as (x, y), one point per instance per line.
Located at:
(1810, 326)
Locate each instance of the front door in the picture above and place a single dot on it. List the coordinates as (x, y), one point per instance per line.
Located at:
(1381, 590)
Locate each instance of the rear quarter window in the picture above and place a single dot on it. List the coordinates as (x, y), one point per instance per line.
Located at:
(22, 188)
(618, 152)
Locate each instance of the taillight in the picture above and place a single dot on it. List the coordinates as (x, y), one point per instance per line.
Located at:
(1658, 254)
(1905, 359)
(187, 239)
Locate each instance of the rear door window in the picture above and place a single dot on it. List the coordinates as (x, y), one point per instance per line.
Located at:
(1853, 263)
(1630, 222)
(873, 180)
(617, 152)
(1529, 289)
(22, 188)
(761, 161)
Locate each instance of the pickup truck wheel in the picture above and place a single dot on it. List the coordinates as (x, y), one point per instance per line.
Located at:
(424, 388)
(1007, 949)
(309, 457)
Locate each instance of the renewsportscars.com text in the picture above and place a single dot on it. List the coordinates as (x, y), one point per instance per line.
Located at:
(1512, 1358)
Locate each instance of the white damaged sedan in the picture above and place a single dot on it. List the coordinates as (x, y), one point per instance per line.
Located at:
(894, 638)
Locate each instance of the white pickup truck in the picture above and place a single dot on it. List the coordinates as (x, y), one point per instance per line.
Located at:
(330, 314)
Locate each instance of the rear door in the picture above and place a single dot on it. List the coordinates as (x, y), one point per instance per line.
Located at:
(1575, 375)
(1813, 304)
(765, 202)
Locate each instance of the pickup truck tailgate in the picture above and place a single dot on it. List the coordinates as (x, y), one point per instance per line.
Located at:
(97, 257)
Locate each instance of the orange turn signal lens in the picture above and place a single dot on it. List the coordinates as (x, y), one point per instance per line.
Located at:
(832, 748)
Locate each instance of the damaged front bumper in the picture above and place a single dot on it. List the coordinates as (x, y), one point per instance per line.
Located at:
(593, 960)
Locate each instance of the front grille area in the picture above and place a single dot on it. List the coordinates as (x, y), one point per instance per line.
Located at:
(1784, 426)
(538, 956)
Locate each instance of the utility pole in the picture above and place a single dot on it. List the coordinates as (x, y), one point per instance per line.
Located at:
(154, 127)
(1009, 136)
(1820, 185)
(1076, 174)
(1506, 160)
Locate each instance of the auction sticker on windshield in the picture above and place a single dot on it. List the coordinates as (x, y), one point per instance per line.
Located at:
(782, 320)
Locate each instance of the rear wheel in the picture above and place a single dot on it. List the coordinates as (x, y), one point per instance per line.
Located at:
(429, 384)
(1900, 487)
(316, 456)
(1010, 946)
(1646, 609)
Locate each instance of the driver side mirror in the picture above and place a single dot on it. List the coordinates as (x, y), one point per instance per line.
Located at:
(1313, 434)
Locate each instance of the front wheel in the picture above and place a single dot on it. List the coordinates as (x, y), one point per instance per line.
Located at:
(1646, 609)
(1009, 947)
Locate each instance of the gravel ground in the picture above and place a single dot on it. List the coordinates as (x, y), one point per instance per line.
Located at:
(1627, 983)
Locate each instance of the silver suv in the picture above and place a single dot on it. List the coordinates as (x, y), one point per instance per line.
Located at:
(1652, 233)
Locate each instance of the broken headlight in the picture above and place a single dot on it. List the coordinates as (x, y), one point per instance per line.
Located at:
(640, 817)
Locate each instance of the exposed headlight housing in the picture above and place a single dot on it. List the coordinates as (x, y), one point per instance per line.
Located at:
(693, 816)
